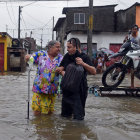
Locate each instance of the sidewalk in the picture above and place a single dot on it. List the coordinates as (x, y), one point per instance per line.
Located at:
(97, 80)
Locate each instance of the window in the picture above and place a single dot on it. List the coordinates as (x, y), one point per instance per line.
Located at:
(79, 18)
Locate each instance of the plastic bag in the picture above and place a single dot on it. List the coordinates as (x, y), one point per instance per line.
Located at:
(72, 78)
(30, 62)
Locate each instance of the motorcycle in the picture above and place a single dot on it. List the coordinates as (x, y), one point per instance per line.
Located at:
(130, 59)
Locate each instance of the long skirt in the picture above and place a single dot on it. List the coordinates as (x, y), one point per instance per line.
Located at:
(43, 103)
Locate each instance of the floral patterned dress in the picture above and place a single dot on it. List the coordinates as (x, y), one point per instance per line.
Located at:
(46, 80)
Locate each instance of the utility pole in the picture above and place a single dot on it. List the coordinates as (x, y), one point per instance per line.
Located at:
(19, 23)
(13, 33)
(41, 38)
(41, 42)
(31, 34)
(52, 29)
(6, 28)
(90, 28)
(25, 34)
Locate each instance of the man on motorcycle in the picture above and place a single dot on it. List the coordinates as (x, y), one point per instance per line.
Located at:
(134, 35)
(130, 52)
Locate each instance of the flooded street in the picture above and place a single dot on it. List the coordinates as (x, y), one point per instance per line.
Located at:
(107, 118)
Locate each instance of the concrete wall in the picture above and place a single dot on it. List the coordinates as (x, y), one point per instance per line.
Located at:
(102, 39)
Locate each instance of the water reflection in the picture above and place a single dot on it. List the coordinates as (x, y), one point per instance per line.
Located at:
(107, 118)
(54, 127)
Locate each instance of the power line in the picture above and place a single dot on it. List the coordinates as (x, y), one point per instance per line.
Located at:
(23, 21)
(29, 4)
(32, 29)
(46, 23)
(40, 28)
(12, 10)
(32, 17)
(42, 34)
(9, 14)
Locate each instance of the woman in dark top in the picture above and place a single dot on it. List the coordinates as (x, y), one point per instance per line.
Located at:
(73, 103)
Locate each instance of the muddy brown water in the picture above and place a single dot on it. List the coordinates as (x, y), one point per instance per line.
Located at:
(107, 118)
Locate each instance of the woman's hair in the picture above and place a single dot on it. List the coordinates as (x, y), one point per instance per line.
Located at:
(75, 42)
(51, 44)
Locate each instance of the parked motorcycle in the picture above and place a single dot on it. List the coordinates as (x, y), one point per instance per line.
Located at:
(130, 59)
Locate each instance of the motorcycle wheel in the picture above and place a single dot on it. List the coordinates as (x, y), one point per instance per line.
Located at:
(114, 75)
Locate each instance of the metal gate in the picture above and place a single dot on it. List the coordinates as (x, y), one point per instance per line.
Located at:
(1, 56)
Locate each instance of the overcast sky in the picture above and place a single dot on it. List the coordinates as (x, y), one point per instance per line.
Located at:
(38, 16)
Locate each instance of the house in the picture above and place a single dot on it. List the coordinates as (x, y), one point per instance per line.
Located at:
(125, 19)
(109, 27)
(5, 42)
(29, 44)
(13, 51)
(16, 54)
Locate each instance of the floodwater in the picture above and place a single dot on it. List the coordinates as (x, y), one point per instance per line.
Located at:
(107, 118)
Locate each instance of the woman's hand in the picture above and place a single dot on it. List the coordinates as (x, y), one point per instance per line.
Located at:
(79, 61)
(62, 73)
(59, 70)
(87, 67)
(27, 57)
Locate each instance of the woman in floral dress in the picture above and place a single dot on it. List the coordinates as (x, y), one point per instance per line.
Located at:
(46, 80)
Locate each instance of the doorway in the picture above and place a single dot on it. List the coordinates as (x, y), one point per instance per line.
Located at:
(2, 57)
